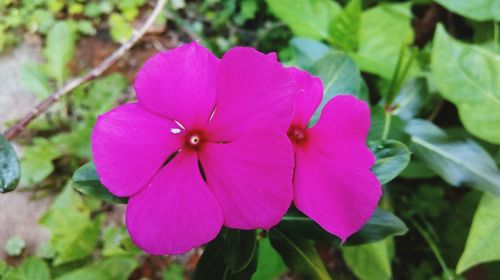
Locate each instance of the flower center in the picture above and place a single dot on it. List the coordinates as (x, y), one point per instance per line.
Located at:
(193, 140)
(297, 134)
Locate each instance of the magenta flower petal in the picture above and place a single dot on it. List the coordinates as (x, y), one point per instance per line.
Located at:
(129, 146)
(338, 195)
(254, 91)
(251, 178)
(176, 212)
(179, 84)
(333, 183)
(308, 98)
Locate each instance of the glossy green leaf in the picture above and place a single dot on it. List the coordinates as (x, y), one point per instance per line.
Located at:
(213, 266)
(74, 234)
(378, 123)
(307, 51)
(117, 268)
(381, 225)
(370, 261)
(392, 158)
(59, 49)
(306, 18)
(86, 181)
(10, 170)
(467, 75)
(339, 75)
(270, 265)
(30, 269)
(483, 240)
(411, 99)
(385, 28)
(239, 248)
(299, 254)
(457, 161)
(345, 29)
(475, 9)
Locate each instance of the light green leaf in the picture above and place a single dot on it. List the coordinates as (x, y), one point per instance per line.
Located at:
(307, 51)
(117, 242)
(174, 272)
(384, 30)
(411, 99)
(484, 236)
(474, 9)
(14, 246)
(370, 261)
(467, 75)
(36, 161)
(59, 49)
(270, 265)
(345, 28)
(74, 234)
(306, 18)
(121, 30)
(31, 269)
(35, 80)
(456, 161)
(10, 170)
(299, 254)
(339, 75)
(117, 268)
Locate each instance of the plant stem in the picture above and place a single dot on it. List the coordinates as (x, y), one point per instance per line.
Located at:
(94, 73)
(387, 124)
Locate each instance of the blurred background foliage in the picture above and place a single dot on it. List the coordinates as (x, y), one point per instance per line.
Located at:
(429, 69)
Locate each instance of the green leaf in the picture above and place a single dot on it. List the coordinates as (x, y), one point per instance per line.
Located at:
(3, 269)
(14, 246)
(378, 122)
(10, 170)
(59, 49)
(467, 76)
(31, 269)
(307, 51)
(117, 242)
(411, 99)
(392, 158)
(370, 261)
(74, 234)
(117, 268)
(239, 248)
(299, 254)
(345, 29)
(484, 236)
(270, 265)
(381, 225)
(86, 181)
(474, 9)
(339, 75)
(174, 272)
(121, 30)
(306, 18)
(35, 80)
(384, 30)
(457, 161)
(212, 265)
(36, 161)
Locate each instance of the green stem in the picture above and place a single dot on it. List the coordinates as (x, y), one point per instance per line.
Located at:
(495, 36)
(434, 248)
(387, 124)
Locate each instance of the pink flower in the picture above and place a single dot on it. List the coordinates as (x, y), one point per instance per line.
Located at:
(333, 183)
(204, 146)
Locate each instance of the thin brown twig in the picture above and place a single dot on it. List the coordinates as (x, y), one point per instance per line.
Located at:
(95, 72)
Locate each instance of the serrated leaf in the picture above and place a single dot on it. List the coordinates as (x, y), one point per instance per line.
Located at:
(239, 248)
(370, 261)
(10, 170)
(86, 180)
(31, 269)
(457, 161)
(299, 254)
(306, 18)
(483, 240)
(467, 75)
(392, 158)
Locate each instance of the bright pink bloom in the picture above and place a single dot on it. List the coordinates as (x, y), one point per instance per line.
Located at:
(333, 183)
(226, 122)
